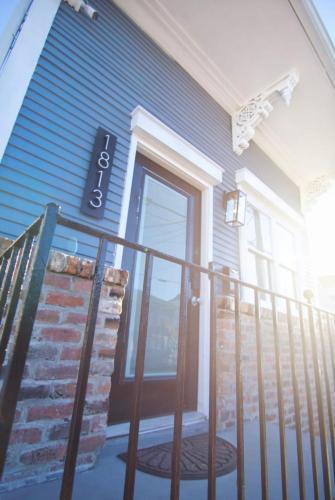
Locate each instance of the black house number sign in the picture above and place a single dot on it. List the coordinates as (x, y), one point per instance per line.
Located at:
(97, 182)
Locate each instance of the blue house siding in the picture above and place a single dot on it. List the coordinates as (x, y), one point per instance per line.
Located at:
(94, 74)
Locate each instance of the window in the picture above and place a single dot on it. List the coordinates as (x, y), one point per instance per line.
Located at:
(273, 249)
(271, 253)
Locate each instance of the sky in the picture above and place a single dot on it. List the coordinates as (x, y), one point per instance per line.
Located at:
(326, 10)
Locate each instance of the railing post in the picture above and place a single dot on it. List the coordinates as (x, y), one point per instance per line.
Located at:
(281, 409)
(84, 367)
(309, 406)
(139, 373)
(211, 494)
(296, 400)
(3, 267)
(328, 390)
(180, 380)
(13, 377)
(321, 417)
(261, 401)
(8, 322)
(8, 279)
(239, 397)
(332, 347)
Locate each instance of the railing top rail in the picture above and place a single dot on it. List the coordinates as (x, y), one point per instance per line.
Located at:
(117, 240)
(32, 230)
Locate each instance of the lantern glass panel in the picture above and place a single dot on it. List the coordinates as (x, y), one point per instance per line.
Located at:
(242, 203)
(231, 208)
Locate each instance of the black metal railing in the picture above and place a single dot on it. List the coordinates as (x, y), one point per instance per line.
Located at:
(25, 262)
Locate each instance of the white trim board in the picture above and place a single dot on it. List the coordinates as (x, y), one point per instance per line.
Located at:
(267, 201)
(157, 21)
(19, 69)
(160, 143)
(250, 183)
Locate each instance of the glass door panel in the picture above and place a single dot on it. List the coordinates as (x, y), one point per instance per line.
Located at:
(163, 226)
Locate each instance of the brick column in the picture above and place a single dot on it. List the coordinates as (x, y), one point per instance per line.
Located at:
(38, 439)
(226, 364)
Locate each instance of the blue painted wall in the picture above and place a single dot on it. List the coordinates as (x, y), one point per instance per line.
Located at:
(94, 74)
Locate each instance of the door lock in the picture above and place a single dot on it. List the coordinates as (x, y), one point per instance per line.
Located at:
(195, 301)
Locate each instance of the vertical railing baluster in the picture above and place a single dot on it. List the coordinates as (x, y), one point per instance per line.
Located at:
(322, 426)
(8, 279)
(12, 380)
(328, 391)
(239, 396)
(261, 401)
(139, 372)
(180, 381)
(83, 373)
(332, 347)
(211, 492)
(3, 268)
(309, 405)
(281, 410)
(8, 322)
(296, 399)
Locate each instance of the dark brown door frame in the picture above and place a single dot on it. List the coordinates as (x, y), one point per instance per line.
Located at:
(153, 388)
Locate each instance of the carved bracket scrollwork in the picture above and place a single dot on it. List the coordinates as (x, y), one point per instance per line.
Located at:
(249, 116)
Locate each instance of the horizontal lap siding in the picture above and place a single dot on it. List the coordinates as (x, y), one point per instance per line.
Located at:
(94, 74)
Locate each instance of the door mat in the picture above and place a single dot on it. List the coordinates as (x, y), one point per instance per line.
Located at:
(156, 460)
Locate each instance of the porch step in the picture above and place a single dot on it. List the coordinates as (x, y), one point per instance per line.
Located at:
(156, 424)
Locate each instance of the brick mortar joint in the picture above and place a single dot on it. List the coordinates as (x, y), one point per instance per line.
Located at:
(62, 263)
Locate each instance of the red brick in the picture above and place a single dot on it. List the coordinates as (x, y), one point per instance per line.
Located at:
(102, 368)
(82, 285)
(43, 455)
(95, 407)
(47, 316)
(58, 281)
(112, 324)
(86, 268)
(103, 388)
(72, 265)
(104, 338)
(42, 351)
(116, 290)
(91, 443)
(65, 390)
(64, 300)
(29, 436)
(49, 412)
(61, 431)
(106, 352)
(56, 372)
(34, 392)
(71, 353)
(61, 334)
(76, 318)
(99, 423)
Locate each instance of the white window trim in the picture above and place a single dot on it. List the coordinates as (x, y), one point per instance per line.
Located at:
(18, 71)
(160, 143)
(264, 199)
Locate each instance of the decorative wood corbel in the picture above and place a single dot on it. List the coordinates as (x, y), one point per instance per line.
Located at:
(249, 116)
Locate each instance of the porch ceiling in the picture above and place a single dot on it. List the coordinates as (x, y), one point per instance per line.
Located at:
(235, 49)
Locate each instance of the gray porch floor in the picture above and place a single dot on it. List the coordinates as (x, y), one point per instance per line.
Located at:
(106, 480)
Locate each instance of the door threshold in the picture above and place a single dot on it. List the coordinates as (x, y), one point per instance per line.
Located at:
(155, 424)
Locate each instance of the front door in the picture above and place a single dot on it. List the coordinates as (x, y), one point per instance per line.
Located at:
(164, 214)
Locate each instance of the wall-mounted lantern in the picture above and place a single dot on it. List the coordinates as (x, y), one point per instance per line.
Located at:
(235, 203)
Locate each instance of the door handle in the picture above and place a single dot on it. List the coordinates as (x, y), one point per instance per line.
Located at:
(195, 301)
